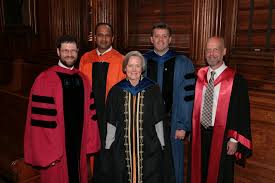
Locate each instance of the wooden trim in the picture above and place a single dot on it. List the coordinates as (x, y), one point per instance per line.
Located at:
(126, 25)
(2, 20)
(250, 27)
(269, 25)
(207, 22)
(230, 24)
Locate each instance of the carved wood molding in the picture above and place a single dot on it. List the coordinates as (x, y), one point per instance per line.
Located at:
(207, 22)
(103, 11)
(55, 19)
(65, 17)
(2, 20)
(230, 10)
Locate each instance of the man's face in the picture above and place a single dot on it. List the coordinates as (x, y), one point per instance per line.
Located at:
(160, 39)
(104, 38)
(214, 53)
(67, 54)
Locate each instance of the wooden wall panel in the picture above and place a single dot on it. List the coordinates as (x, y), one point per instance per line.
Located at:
(104, 11)
(52, 19)
(65, 18)
(260, 167)
(143, 14)
(255, 24)
(257, 68)
(207, 22)
(56, 19)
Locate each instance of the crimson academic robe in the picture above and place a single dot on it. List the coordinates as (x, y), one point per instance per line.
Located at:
(232, 121)
(49, 132)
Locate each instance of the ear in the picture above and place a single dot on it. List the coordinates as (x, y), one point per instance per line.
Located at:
(224, 51)
(170, 39)
(58, 51)
(151, 39)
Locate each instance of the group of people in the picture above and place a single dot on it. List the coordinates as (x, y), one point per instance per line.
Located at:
(125, 119)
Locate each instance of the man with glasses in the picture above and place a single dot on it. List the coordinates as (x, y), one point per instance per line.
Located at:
(59, 130)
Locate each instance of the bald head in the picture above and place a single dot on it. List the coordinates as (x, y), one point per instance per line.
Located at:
(214, 52)
(217, 40)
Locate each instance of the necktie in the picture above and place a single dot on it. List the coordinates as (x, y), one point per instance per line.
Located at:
(206, 118)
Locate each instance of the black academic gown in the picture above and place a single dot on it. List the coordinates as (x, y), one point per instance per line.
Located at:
(136, 150)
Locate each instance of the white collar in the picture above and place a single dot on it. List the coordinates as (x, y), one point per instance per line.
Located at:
(64, 66)
(100, 54)
(161, 54)
(218, 71)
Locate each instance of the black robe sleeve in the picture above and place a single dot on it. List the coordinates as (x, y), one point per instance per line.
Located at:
(106, 172)
(160, 115)
(239, 117)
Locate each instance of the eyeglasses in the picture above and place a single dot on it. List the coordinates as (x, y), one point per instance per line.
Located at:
(69, 51)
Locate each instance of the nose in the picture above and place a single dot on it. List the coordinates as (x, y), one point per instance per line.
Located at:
(210, 52)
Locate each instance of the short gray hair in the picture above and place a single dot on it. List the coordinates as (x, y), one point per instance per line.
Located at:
(127, 58)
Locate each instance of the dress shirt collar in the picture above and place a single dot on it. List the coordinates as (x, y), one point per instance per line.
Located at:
(64, 66)
(162, 53)
(218, 71)
(100, 54)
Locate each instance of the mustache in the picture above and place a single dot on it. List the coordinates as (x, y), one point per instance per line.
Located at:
(70, 57)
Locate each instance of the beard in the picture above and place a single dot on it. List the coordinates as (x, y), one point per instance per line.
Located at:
(67, 63)
(213, 61)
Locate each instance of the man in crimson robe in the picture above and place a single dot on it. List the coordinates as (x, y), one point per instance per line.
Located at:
(226, 137)
(60, 131)
(103, 67)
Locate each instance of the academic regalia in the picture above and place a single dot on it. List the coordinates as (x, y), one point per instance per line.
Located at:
(135, 154)
(175, 75)
(59, 130)
(103, 72)
(232, 121)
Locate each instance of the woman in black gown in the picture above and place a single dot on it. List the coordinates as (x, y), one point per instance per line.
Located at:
(135, 139)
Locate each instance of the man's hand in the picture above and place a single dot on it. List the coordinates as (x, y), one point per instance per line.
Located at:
(180, 134)
(231, 147)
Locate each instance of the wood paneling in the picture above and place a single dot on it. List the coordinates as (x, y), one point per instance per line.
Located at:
(104, 11)
(230, 12)
(207, 21)
(260, 167)
(258, 69)
(255, 28)
(53, 19)
(141, 15)
(65, 18)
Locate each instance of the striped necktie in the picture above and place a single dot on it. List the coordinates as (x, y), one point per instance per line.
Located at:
(206, 117)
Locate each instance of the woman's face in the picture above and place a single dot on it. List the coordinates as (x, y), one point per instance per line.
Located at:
(134, 69)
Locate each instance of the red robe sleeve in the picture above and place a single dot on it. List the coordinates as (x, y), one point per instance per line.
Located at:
(44, 130)
(92, 131)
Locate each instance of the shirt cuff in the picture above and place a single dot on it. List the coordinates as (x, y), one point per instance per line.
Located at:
(233, 140)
